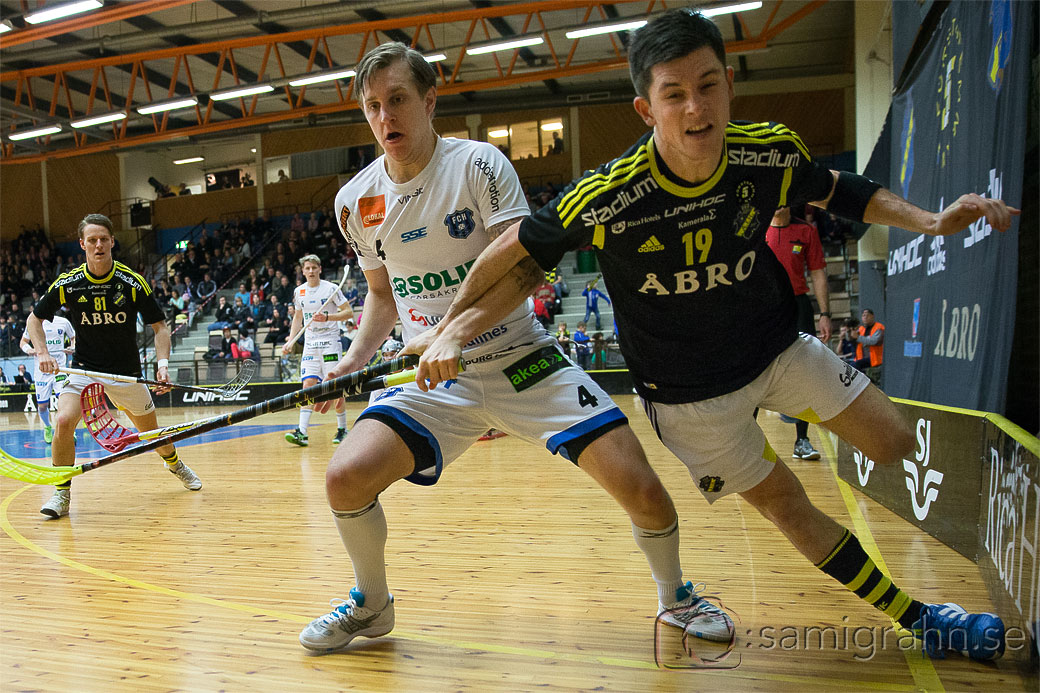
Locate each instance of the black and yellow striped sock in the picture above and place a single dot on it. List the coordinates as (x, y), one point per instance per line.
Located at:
(850, 565)
(172, 460)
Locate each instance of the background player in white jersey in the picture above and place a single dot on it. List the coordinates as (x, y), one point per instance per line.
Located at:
(59, 332)
(321, 304)
(417, 217)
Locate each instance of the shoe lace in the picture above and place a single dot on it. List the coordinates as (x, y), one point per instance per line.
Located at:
(341, 608)
(703, 606)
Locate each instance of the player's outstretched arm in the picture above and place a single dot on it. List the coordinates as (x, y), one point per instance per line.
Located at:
(858, 198)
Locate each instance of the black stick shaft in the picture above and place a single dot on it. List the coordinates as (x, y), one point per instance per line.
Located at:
(351, 383)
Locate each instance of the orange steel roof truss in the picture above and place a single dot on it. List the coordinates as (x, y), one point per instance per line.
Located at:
(179, 63)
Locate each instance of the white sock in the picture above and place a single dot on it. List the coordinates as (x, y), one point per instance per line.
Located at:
(661, 548)
(364, 535)
(341, 419)
(305, 419)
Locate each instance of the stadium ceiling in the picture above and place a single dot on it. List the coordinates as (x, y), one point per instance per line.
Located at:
(126, 56)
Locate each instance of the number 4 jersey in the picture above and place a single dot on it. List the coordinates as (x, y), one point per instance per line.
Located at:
(429, 231)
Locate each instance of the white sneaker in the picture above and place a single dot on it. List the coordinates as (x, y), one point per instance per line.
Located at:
(187, 477)
(348, 620)
(696, 615)
(58, 505)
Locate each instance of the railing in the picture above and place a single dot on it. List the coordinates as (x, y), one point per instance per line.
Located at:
(321, 191)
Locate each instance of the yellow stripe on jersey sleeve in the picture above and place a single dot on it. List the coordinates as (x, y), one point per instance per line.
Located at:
(758, 133)
(620, 172)
(143, 282)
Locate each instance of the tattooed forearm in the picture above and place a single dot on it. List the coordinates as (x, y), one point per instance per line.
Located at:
(496, 230)
(527, 275)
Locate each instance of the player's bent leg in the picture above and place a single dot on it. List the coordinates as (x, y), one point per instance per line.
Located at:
(375, 458)
(617, 462)
(66, 418)
(63, 453)
(837, 552)
(148, 422)
(874, 425)
(781, 499)
(298, 436)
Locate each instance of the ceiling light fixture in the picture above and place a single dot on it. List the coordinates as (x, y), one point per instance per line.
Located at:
(189, 160)
(98, 119)
(61, 11)
(325, 76)
(35, 132)
(498, 133)
(169, 105)
(6, 25)
(552, 126)
(604, 28)
(435, 57)
(504, 44)
(729, 9)
(241, 91)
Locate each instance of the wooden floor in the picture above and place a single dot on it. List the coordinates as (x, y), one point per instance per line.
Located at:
(514, 573)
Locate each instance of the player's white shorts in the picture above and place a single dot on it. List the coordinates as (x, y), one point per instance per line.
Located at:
(320, 357)
(538, 396)
(46, 383)
(132, 397)
(719, 440)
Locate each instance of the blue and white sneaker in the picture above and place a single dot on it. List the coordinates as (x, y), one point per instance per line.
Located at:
(948, 626)
(696, 615)
(347, 620)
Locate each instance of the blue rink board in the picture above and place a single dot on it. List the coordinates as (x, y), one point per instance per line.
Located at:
(27, 443)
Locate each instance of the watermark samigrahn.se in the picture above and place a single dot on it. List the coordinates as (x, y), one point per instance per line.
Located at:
(676, 648)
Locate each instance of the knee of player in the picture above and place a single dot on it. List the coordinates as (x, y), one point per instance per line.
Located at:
(65, 422)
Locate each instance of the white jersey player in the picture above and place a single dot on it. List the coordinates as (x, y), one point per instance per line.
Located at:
(61, 338)
(418, 217)
(320, 305)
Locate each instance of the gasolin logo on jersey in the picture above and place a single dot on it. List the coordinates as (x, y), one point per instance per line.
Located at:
(372, 210)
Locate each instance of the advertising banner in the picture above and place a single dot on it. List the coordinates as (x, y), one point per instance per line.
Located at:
(935, 485)
(958, 126)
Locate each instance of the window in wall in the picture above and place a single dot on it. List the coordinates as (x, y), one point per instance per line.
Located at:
(552, 136)
(529, 140)
(498, 135)
(523, 140)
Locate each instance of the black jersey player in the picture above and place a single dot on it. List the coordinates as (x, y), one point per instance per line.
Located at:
(103, 298)
(679, 225)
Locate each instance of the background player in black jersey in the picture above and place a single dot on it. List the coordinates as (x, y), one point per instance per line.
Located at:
(103, 298)
(688, 275)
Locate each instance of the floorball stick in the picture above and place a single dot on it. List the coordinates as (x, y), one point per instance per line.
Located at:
(376, 377)
(229, 389)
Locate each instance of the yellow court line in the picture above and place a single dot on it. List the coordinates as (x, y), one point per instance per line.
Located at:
(920, 664)
(528, 652)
